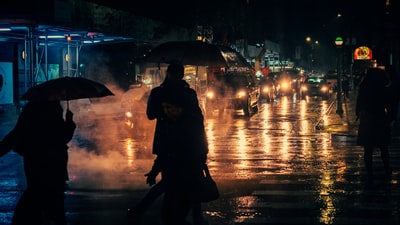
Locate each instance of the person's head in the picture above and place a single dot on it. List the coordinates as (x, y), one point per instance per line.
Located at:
(43, 110)
(175, 70)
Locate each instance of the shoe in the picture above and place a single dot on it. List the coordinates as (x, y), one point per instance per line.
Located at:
(134, 217)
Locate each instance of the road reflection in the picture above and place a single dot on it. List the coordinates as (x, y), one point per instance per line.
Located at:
(281, 139)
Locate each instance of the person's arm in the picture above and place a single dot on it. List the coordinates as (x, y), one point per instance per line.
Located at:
(155, 170)
(70, 126)
(154, 107)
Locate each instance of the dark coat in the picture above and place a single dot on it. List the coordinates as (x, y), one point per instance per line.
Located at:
(181, 93)
(41, 136)
(373, 109)
(181, 146)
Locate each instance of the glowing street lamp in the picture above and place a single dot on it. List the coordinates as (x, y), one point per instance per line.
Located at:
(339, 41)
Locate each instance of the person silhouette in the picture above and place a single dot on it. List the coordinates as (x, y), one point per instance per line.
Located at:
(373, 110)
(394, 87)
(41, 136)
(181, 148)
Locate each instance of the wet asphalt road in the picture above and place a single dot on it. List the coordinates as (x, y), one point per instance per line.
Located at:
(294, 162)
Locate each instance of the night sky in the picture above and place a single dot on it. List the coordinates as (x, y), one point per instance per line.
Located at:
(263, 19)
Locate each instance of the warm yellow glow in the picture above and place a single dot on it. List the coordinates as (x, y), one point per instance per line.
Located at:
(241, 94)
(129, 147)
(129, 114)
(210, 94)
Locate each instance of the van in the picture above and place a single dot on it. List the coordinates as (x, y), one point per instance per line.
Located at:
(237, 90)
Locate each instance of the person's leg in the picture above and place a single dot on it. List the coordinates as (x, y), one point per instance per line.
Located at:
(135, 214)
(156, 191)
(176, 207)
(54, 211)
(197, 214)
(368, 150)
(26, 212)
(386, 160)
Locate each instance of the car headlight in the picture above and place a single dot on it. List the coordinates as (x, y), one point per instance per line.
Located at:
(285, 85)
(265, 89)
(241, 94)
(210, 95)
(324, 89)
(128, 114)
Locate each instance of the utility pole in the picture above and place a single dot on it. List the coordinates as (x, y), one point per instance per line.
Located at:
(339, 43)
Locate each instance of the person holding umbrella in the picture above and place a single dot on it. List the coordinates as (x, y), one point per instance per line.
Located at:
(41, 136)
(181, 147)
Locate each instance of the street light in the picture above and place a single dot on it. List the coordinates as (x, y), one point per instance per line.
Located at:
(311, 50)
(339, 110)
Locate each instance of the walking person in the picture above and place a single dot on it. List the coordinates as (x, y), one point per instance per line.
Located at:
(394, 87)
(181, 148)
(41, 136)
(373, 110)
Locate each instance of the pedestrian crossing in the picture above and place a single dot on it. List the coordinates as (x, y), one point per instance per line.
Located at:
(329, 192)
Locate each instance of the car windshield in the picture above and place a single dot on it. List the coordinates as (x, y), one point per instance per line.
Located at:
(315, 81)
(233, 80)
(331, 75)
(236, 80)
(266, 80)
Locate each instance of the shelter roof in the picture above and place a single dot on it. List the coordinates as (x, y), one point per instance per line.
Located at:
(18, 30)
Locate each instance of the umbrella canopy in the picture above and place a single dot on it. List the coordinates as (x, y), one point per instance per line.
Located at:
(66, 88)
(196, 53)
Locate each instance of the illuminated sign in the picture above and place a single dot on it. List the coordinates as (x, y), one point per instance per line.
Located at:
(362, 53)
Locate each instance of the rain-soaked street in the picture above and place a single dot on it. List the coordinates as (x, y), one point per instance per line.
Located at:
(293, 162)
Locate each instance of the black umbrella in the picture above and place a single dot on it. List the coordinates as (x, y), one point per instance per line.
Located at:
(196, 53)
(65, 89)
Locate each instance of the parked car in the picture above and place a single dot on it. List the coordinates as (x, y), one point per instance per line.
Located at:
(233, 90)
(267, 89)
(315, 86)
